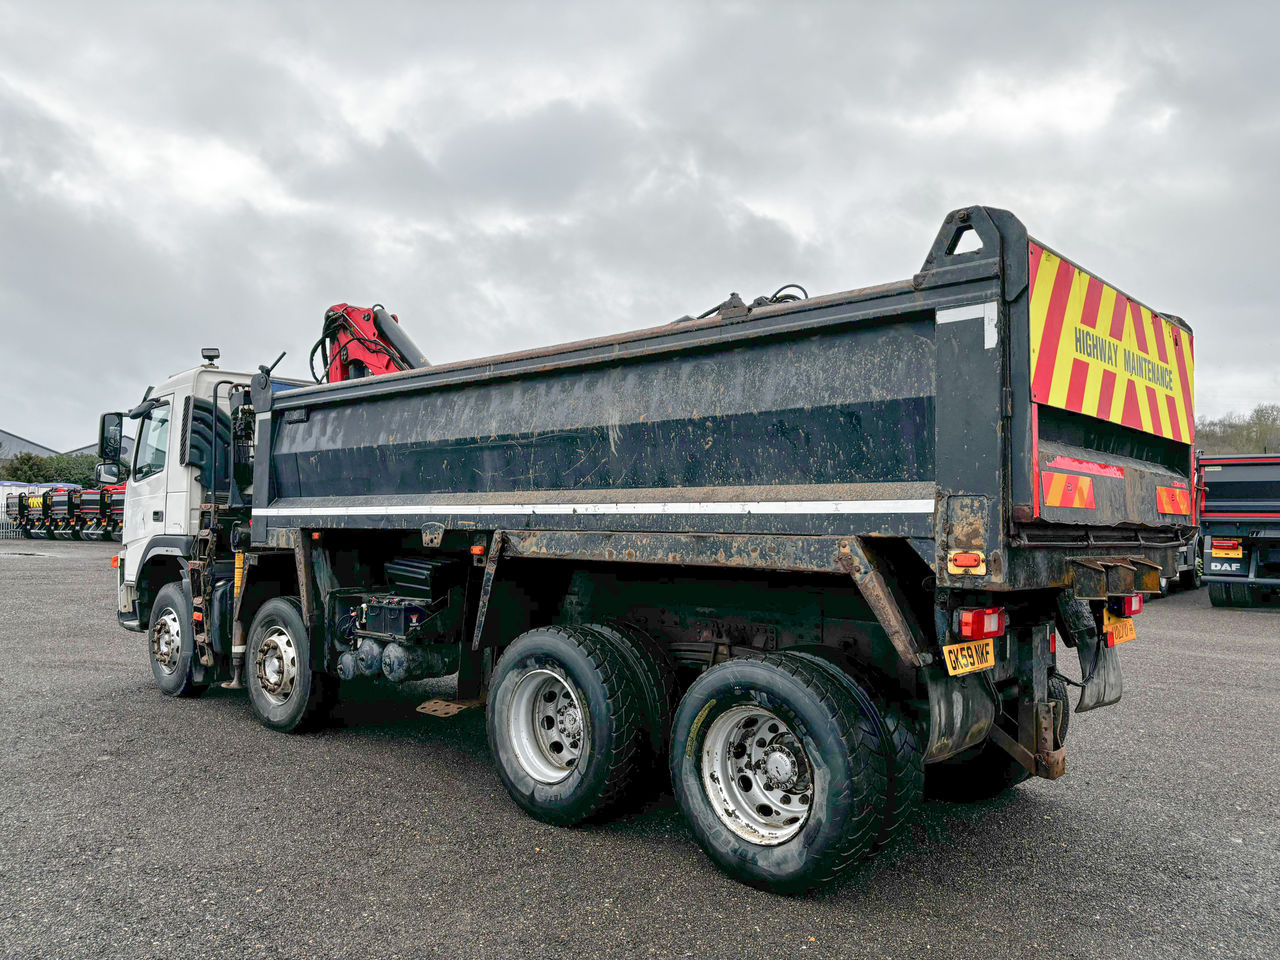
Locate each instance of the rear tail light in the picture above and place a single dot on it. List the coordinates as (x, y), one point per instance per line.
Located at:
(1225, 544)
(979, 624)
(115, 562)
(1125, 606)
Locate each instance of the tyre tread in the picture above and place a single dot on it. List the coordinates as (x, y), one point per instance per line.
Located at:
(654, 674)
(896, 740)
(858, 735)
(625, 708)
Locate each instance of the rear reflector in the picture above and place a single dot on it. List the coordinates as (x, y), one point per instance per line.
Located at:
(980, 624)
(477, 550)
(115, 562)
(967, 559)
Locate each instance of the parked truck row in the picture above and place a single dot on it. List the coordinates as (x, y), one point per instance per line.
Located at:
(801, 559)
(68, 512)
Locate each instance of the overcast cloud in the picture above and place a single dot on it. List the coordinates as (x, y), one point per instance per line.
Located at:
(180, 175)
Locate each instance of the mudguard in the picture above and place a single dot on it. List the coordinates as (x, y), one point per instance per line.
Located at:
(1099, 664)
(1100, 667)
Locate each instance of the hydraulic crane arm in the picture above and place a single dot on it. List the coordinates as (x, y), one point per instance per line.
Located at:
(362, 342)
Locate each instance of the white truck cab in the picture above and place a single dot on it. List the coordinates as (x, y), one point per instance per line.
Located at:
(164, 493)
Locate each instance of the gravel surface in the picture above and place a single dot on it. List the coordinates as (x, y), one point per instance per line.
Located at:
(133, 825)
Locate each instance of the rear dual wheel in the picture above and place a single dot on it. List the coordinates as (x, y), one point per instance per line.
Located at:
(776, 771)
(576, 717)
(1231, 594)
(895, 738)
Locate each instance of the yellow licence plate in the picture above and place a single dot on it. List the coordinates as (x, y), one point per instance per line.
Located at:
(1119, 629)
(1237, 553)
(969, 656)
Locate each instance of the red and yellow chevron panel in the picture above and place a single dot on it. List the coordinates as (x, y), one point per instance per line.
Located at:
(1066, 490)
(1173, 500)
(1095, 351)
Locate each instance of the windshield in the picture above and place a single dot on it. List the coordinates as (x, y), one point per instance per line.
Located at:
(153, 442)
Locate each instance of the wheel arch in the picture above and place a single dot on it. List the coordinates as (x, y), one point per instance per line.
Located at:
(270, 575)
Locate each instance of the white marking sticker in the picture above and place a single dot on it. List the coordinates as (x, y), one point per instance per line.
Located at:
(599, 509)
(986, 312)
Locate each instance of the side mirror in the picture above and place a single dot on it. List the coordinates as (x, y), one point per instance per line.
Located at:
(106, 472)
(110, 431)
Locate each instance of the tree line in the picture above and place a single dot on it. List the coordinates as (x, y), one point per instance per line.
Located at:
(59, 468)
(1255, 432)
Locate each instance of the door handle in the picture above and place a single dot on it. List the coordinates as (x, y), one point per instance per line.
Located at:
(157, 515)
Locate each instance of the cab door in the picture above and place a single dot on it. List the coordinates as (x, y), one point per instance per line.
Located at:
(146, 494)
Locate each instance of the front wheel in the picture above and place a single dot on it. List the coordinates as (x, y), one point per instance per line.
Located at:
(172, 646)
(774, 773)
(286, 692)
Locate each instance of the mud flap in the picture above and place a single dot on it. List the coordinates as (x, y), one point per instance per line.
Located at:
(1100, 666)
(961, 712)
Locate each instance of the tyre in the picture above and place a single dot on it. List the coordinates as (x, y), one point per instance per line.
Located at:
(286, 692)
(1190, 579)
(898, 739)
(986, 771)
(774, 770)
(566, 723)
(172, 646)
(1219, 594)
(1242, 595)
(654, 673)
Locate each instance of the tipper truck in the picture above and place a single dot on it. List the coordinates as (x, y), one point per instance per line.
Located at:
(801, 558)
(51, 513)
(1240, 519)
(102, 512)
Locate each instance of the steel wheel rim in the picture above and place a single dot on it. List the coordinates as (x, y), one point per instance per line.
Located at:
(757, 775)
(278, 665)
(547, 726)
(166, 641)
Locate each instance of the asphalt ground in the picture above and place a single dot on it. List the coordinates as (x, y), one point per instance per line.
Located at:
(133, 825)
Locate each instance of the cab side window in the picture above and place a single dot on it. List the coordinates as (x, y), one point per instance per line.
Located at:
(153, 443)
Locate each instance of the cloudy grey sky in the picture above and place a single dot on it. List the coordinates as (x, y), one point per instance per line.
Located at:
(505, 176)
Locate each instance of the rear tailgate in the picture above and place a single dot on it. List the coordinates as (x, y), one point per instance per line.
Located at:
(1241, 488)
(1112, 394)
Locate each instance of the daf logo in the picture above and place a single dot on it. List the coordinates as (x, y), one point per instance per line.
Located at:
(1226, 566)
